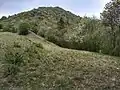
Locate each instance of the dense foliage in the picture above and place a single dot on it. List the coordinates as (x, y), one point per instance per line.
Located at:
(24, 28)
(111, 17)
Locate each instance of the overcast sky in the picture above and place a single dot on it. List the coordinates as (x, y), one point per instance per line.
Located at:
(79, 7)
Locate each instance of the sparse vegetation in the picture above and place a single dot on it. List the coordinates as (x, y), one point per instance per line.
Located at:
(53, 67)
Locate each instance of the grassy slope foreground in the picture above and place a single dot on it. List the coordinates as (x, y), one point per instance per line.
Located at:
(55, 68)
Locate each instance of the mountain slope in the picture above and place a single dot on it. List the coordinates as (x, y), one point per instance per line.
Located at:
(67, 30)
(47, 66)
(46, 22)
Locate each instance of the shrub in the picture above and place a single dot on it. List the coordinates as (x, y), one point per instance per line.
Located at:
(39, 45)
(1, 26)
(33, 27)
(12, 62)
(24, 29)
(3, 18)
(9, 28)
(61, 24)
(17, 45)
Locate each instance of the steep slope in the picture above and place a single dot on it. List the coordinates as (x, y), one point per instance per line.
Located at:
(47, 66)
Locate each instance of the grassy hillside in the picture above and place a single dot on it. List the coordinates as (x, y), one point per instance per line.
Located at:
(43, 65)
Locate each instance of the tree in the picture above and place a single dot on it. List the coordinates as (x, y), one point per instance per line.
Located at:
(24, 29)
(111, 13)
(61, 24)
(1, 26)
(3, 18)
(111, 17)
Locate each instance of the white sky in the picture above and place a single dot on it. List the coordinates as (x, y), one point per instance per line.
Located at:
(79, 7)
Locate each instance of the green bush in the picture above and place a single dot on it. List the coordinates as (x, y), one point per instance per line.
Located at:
(12, 62)
(33, 27)
(1, 26)
(9, 28)
(24, 29)
(17, 45)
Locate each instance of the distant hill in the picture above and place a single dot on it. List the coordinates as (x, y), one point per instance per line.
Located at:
(45, 22)
(45, 14)
(53, 23)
